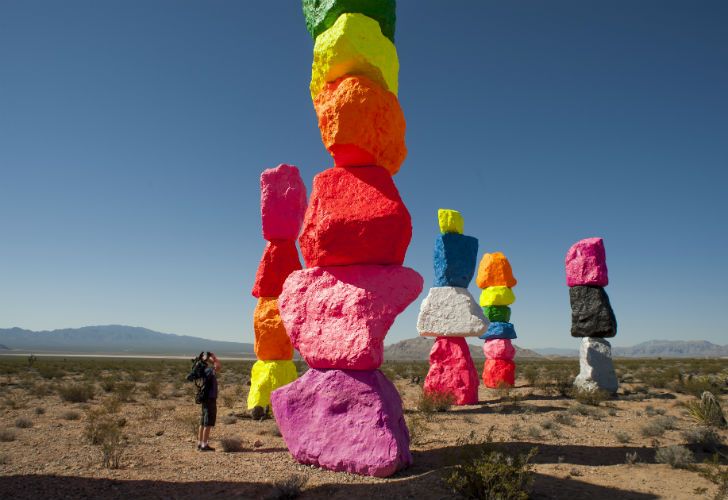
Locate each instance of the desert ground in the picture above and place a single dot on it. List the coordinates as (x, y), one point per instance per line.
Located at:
(142, 418)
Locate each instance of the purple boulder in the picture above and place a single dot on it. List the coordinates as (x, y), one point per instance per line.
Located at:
(344, 421)
(586, 263)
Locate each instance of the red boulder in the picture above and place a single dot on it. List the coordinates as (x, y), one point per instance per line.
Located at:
(452, 371)
(499, 373)
(355, 216)
(280, 258)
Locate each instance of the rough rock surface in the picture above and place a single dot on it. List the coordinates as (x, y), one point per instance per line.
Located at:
(265, 377)
(454, 258)
(282, 202)
(497, 313)
(499, 349)
(495, 270)
(452, 371)
(361, 124)
(280, 258)
(354, 45)
(591, 312)
(337, 317)
(344, 420)
(450, 221)
(499, 330)
(321, 14)
(499, 373)
(356, 216)
(452, 312)
(586, 263)
(497, 296)
(596, 368)
(271, 340)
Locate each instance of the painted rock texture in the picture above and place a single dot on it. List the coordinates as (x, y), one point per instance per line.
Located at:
(591, 313)
(452, 371)
(497, 313)
(499, 330)
(321, 14)
(361, 124)
(495, 270)
(344, 420)
(596, 368)
(455, 256)
(586, 263)
(280, 258)
(498, 373)
(450, 221)
(499, 349)
(267, 376)
(356, 216)
(282, 202)
(497, 296)
(337, 317)
(354, 45)
(271, 340)
(451, 312)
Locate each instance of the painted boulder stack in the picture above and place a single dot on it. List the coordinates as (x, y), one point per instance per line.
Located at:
(449, 313)
(592, 317)
(343, 414)
(495, 277)
(282, 207)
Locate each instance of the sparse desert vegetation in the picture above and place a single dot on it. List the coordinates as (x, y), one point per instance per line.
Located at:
(133, 420)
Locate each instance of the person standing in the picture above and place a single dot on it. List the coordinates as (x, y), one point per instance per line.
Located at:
(208, 401)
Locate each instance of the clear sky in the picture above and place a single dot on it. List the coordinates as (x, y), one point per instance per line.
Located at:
(133, 133)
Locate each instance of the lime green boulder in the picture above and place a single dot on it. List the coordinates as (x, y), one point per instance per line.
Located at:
(266, 377)
(321, 14)
(450, 221)
(498, 314)
(354, 45)
(497, 296)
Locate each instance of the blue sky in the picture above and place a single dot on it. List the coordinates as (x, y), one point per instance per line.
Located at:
(133, 133)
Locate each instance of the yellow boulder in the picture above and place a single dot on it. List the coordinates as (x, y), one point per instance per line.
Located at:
(354, 45)
(267, 376)
(497, 296)
(450, 221)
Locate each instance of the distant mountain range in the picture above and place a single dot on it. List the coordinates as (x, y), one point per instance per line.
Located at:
(655, 349)
(116, 339)
(419, 348)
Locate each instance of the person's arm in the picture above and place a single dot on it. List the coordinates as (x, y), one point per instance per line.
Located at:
(215, 362)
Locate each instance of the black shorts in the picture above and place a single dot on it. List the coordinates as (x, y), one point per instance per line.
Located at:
(209, 413)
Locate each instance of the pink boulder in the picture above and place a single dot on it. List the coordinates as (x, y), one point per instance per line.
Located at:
(499, 349)
(337, 317)
(355, 216)
(280, 258)
(282, 202)
(452, 371)
(499, 373)
(345, 421)
(586, 263)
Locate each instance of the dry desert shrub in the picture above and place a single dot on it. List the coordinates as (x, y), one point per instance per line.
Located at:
(593, 398)
(229, 419)
(657, 426)
(189, 421)
(153, 388)
(7, 435)
(417, 429)
(39, 410)
(631, 458)
(124, 390)
(76, 392)
(23, 423)
(108, 384)
(431, 402)
(704, 437)
(288, 488)
(706, 411)
(622, 437)
(70, 415)
(563, 418)
(229, 397)
(678, 457)
(231, 444)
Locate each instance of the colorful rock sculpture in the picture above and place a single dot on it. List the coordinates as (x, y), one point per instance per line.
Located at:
(495, 277)
(282, 207)
(592, 317)
(450, 313)
(343, 414)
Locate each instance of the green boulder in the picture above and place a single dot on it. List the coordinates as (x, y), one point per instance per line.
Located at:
(321, 14)
(501, 314)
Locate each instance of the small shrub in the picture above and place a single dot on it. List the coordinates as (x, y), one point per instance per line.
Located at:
(716, 474)
(593, 398)
(563, 419)
(4, 459)
(229, 419)
(39, 410)
(124, 390)
(531, 374)
(585, 411)
(704, 437)
(231, 444)
(190, 422)
(431, 402)
(288, 488)
(70, 415)
(657, 426)
(111, 404)
(678, 457)
(76, 392)
(112, 444)
(706, 411)
(50, 372)
(533, 432)
(631, 458)
(108, 384)
(39, 390)
(651, 411)
(417, 429)
(99, 424)
(229, 398)
(153, 389)
(7, 435)
(547, 424)
(516, 431)
(23, 423)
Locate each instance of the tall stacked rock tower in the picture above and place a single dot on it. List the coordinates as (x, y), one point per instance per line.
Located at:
(495, 277)
(450, 313)
(282, 207)
(343, 414)
(592, 317)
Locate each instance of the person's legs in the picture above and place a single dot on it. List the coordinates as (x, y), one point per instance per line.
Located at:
(205, 435)
(200, 435)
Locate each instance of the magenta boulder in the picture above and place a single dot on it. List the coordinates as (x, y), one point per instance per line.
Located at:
(586, 263)
(345, 421)
(499, 349)
(282, 202)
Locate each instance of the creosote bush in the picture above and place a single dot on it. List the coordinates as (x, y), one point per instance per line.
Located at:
(431, 402)
(593, 398)
(678, 457)
(76, 392)
(7, 435)
(23, 423)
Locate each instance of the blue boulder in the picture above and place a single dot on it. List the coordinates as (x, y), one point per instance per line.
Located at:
(455, 257)
(499, 330)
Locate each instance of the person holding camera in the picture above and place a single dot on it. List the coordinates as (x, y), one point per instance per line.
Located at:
(203, 374)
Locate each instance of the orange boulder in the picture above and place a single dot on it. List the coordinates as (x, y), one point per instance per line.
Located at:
(361, 123)
(495, 270)
(271, 340)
